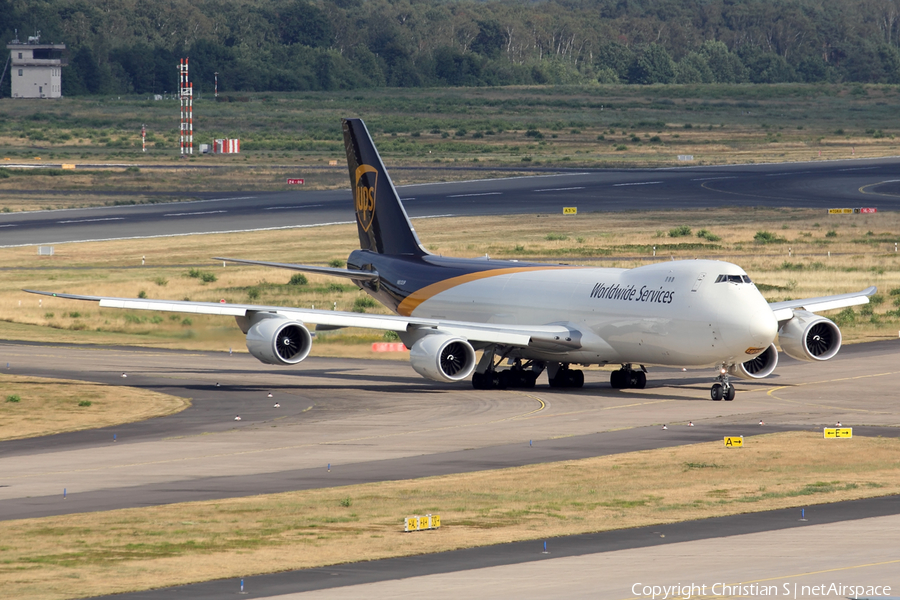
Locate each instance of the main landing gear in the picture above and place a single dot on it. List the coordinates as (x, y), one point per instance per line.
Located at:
(626, 377)
(722, 389)
(566, 377)
(518, 376)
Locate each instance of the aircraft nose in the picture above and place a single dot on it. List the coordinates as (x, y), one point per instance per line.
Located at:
(763, 327)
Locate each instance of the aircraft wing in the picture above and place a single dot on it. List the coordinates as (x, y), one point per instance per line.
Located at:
(784, 310)
(547, 336)
(350, 273)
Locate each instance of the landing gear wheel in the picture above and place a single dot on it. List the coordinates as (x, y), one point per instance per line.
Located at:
(729, 393)
(717, 392)
(639, 380)
(568, 378)
(617, 380)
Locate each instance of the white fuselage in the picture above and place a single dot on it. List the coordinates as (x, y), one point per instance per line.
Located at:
(673, 313)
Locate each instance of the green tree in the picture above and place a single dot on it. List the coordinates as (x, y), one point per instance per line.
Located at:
(653, 65)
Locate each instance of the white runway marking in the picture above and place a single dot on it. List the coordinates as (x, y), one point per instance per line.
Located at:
(560, 189)
(637, 183)
(8, 225)
(205, 212)
(93, 220)
(469, 195)
(291, 207)
(711, 178)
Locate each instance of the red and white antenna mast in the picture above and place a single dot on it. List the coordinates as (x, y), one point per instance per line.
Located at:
(186, 96)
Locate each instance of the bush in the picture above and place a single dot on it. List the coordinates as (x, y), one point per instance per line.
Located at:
(14, 398)
(876, 300)
(336, 263)
(142, 295)
(204, 276)
(831, 234)
(708, 235)
(767, 237)
(298, 279)
(85, 403)
(391, 336)
(161, 281)
(364, 302)
(845, 318)
(253, 293)
(681, 231)
(555, 237)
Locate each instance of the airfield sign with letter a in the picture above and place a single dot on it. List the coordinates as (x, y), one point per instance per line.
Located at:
(732, 441)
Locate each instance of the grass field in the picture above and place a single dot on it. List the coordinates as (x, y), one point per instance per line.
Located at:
(100, 553)
(298, 135)
(786, 252)
(33, 406)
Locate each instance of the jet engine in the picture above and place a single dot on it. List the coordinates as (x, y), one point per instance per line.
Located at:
(279, 341)
(442, 357)
(758, 367)
(809, 337)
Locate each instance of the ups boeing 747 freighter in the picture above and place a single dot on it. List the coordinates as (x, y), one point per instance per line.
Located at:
(531, 318)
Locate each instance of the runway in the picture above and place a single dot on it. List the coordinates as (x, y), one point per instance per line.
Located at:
(827, 184)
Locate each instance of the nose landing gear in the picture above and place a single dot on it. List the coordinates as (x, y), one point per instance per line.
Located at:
(722, 389)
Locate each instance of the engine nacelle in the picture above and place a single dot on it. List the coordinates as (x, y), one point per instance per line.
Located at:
(278, 341)
(809, 337)
(442, 357)
(758, 367)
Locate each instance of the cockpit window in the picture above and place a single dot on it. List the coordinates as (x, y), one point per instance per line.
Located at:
(733, 279)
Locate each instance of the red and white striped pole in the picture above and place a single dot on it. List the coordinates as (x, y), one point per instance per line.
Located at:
(191, 118)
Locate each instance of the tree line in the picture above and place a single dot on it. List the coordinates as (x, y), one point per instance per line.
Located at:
(133, 46)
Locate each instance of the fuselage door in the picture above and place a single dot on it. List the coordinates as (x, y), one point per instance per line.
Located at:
(697, 283)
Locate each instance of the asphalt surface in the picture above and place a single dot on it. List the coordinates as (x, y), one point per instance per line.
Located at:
(827, 184)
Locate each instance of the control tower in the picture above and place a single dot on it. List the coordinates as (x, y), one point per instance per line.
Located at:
(35, 68)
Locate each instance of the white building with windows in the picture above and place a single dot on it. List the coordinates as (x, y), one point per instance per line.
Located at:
(35, 68)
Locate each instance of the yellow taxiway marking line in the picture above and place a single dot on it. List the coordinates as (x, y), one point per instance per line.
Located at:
(793, 576)
(771, 392)
(862, 189)
(283, 448)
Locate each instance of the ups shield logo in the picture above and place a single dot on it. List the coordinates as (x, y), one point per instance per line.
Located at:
(364, 195)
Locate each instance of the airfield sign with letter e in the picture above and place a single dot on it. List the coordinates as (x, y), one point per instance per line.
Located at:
(838, 432)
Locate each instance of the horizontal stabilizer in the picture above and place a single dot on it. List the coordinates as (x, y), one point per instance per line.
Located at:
(333, 271)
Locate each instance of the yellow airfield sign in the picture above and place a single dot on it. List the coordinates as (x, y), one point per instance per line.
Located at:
(570, 210)
(838, 432)
(733, 441)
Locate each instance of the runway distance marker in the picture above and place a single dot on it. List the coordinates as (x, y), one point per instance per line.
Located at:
(838, 432)
(732, 441)
(570, 210)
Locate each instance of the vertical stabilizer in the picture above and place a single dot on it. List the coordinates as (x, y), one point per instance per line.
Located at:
(381, 220)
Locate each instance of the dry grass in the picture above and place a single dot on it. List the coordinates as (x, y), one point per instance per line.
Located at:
(798, 266)
(100, 553)
(31, 406)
